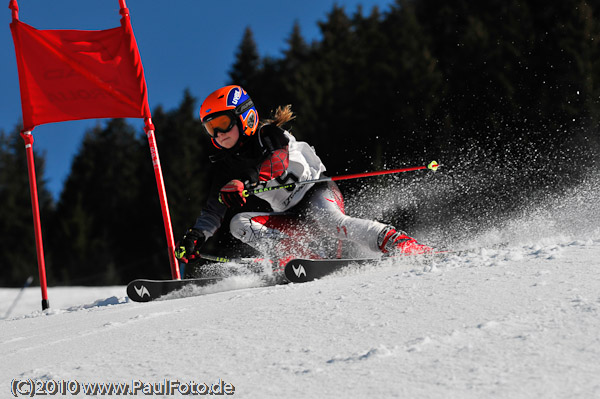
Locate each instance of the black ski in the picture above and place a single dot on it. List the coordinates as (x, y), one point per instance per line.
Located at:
(302, 270)
(142, 290)
(295, 271)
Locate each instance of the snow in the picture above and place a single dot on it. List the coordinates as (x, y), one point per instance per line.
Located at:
(518, 317)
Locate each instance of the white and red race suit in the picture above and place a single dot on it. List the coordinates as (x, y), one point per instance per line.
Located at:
(302, 214)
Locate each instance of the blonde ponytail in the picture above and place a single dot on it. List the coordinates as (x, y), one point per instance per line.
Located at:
(282, 115)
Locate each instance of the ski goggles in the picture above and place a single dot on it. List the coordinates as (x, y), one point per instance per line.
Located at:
(220, 123)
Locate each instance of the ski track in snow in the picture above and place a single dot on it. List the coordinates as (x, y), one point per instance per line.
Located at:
(501, 321)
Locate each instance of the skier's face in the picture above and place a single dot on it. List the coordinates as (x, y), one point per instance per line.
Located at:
(227, 140)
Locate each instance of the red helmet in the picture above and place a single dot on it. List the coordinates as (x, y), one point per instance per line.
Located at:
(227, 106)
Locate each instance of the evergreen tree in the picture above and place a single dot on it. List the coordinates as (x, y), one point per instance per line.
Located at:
(101, 232)
(403, 83)
(246, 67)
(298, 51)
(260, 77)
(18, 258)
(563, 57)
(482, 51)
(299, 84)
(514, 70)
(183, 145)
(334, 99)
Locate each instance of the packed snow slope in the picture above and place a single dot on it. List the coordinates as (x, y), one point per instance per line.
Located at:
(516, 316)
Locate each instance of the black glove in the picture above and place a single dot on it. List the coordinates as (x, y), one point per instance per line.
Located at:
(191, 242)
(233, 194)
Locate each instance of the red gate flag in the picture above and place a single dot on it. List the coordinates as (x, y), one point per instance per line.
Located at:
(76, 74)
(68, 75)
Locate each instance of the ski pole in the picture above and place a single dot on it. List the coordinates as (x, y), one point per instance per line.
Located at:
(219, 259)
(213, 258)
(433, 165)
(222, 259)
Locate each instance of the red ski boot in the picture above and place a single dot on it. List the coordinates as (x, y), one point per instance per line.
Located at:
(397, 242)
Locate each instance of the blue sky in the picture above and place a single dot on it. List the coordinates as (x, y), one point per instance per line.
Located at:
(183, 44)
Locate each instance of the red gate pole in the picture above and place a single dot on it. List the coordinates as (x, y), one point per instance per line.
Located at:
(149, 129)
(37, 225)
(35, 206)
(162, 194)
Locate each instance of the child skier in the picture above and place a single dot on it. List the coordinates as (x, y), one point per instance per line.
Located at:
(253, 155)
